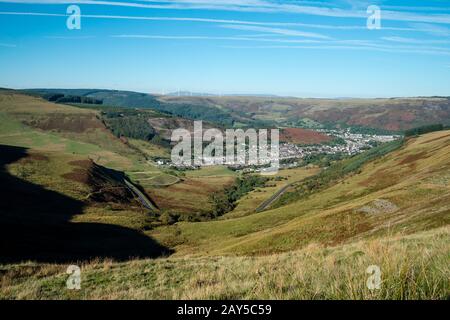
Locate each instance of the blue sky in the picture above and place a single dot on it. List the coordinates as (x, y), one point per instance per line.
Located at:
(296, 48)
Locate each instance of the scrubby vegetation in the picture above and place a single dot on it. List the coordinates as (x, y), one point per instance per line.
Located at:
(336, 171)
(131, 127)
(423, 130)
(322, 159)
(412, 267)
(61, 98)
(195, 112)
(226, 201)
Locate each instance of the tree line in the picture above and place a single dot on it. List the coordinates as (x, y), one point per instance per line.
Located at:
(424, 129)
(225, 201)
(61, 98)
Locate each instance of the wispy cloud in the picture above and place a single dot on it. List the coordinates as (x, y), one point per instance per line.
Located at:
(8, 45)
(418, 27)
(70, 37)
(304, 43)
(259, 6)
(436, 30)
(415, 41)
(249, 38)
(406, 50)
(235, 38)
(418, 8)
(285, 32)
(191, 19)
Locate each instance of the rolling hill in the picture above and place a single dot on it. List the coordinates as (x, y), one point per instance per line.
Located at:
(385, 114)
(395, 114)
(129, 99)
(66, 135)
(393, 212)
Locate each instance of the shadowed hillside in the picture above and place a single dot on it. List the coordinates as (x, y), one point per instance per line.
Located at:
(35, 224)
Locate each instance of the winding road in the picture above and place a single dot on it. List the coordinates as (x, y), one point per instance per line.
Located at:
(268, 202)
(142, 197)
(146, 202)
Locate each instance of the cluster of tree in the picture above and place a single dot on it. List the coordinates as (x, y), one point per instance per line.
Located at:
(53, 96)
(370, 131)
(61, 98)
(132, 123)
(424, 129)
(130, 100)
(131, 127)
(322, 159)
(225, 201)
(318, 159)
(357, 129)
(336, 171)
(337, 141)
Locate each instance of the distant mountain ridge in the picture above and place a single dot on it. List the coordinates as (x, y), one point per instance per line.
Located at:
(392, 114)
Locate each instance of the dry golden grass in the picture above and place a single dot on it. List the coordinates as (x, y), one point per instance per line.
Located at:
(412, 267)
(191, 195)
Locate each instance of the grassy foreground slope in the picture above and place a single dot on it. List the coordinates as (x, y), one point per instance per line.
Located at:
(404, 192)
(412, 267)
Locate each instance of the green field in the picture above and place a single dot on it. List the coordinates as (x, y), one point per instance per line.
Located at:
(210, 171)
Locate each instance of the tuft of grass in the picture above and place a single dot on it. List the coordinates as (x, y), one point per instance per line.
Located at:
(412, 267)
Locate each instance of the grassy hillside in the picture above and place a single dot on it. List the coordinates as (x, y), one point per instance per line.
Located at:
(78, 132)
(129, 99)
(336, 172)
(394, 114)
(412, 267)
(248, 204)
(60, 207)
(35, 123)
(406, 191)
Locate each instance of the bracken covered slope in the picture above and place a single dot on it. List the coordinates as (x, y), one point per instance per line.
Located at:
(404, 192)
